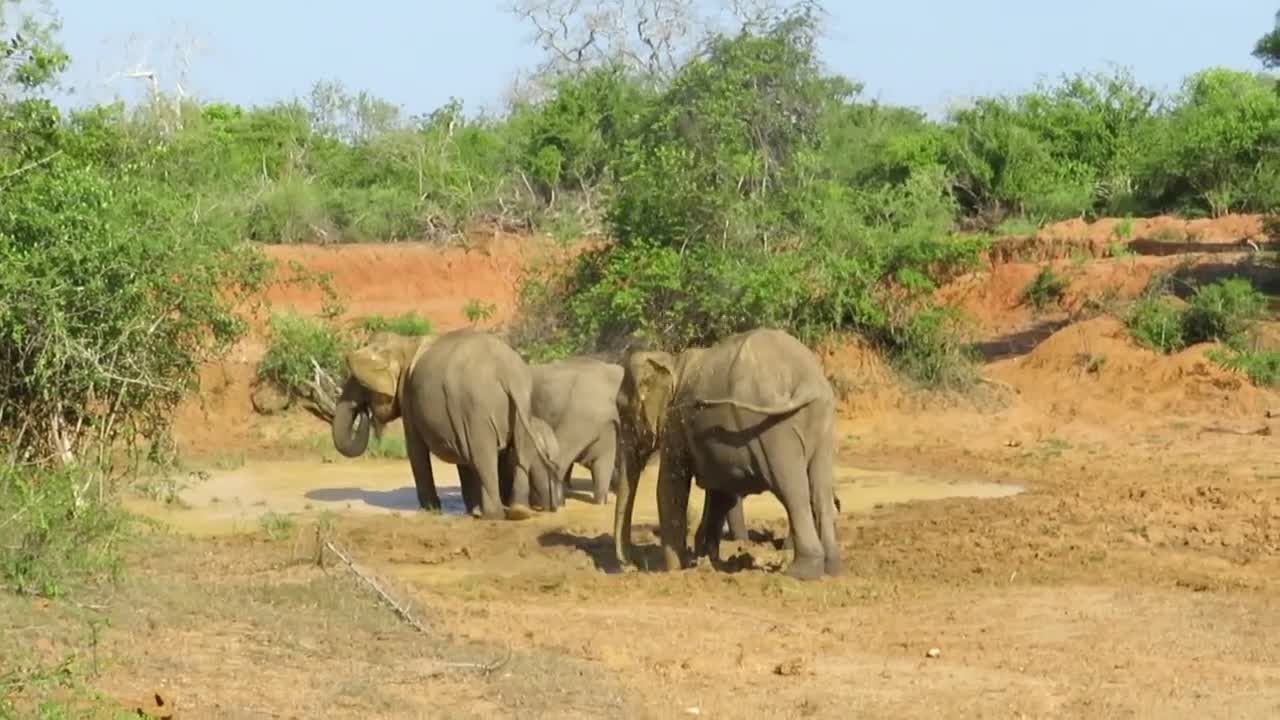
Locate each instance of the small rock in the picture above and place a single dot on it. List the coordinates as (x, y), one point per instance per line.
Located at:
(693, 711)
(933, 653)
(269, 399)
(794, 666)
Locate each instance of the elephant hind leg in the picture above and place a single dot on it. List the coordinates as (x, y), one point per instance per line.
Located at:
(825, 506)
(716, 505)
(601, 474)
(791, 483)
(469, 479)
(736, 521)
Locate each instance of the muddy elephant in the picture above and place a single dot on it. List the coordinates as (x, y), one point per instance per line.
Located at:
(750, 414)
(463, 396)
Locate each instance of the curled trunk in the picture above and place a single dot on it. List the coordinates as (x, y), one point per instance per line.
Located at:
(351, 420)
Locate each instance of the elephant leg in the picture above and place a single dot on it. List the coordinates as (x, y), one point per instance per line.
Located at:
(506, 476)
(736, 521)
(420, 463)
(825, 505)
(715, 506)
(485, 461)
(470, 482)
(674, 475)
(601, 474)
(790, 482)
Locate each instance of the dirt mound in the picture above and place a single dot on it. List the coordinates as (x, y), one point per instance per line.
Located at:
(1162, 235)
(863, 383)
(1093, 369)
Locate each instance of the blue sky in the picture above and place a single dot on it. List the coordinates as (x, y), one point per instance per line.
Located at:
(925, 53)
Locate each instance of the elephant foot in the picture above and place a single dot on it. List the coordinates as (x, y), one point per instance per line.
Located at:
(832, 566)
(671, 560)
(519, 512)
(805, 568)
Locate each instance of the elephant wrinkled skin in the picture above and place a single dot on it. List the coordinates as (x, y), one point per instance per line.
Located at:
(464, 396)
(750, 414)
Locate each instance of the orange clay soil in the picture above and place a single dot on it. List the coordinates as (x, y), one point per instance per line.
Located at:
(1092, 532)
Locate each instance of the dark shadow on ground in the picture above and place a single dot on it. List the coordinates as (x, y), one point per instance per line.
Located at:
(1021, 342)
(1151, 246)
(646, 557)
(403, 499)
(1262, 274)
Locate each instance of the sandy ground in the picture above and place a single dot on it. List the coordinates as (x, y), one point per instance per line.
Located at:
(1088, 535)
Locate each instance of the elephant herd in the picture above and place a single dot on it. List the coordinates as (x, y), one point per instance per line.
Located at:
(751, 413)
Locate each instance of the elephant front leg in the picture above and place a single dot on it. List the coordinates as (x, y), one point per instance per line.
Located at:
(420, 463)
(674, 475)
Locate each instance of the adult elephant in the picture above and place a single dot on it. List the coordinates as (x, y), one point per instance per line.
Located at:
(463, 396)
(750, 414)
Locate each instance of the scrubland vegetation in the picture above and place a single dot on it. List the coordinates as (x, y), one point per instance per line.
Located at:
(743, 185)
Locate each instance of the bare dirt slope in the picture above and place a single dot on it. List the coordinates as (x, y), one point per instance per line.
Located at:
(1088, 535)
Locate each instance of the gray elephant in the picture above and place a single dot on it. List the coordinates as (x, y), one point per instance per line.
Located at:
(750, 414)
(464, 396)
(577, 397)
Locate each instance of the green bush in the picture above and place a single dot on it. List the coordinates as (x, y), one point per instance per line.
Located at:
(1046, 288)
(1155, 322)
(54, 533)
(1226, 311)
(409, 323)
(296, 345)
(1261, 366)
(1223, 311)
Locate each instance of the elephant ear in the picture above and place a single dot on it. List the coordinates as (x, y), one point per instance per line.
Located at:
(654, 376)
(378, 371)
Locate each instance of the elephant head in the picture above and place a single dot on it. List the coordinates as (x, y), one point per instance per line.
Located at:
(372, 392)
(644, 400)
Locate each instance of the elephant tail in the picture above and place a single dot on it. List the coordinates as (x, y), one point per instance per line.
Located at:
(812, 394)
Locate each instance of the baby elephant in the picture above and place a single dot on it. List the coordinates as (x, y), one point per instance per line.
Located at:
(577, 398)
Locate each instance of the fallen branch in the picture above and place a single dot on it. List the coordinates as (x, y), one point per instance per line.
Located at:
(1265, 430)
(386, 597)
(484, 668)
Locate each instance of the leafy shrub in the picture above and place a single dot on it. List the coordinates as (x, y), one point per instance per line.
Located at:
(1261, 366)
(1226, 311)
(1223, 311)
(1157, 323)
(409, 323)
(296, 346)
(1046, 288)
(1210, 152)
(50, 539)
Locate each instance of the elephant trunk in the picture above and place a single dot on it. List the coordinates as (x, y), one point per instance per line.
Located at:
(351, 420)
(628, 465)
